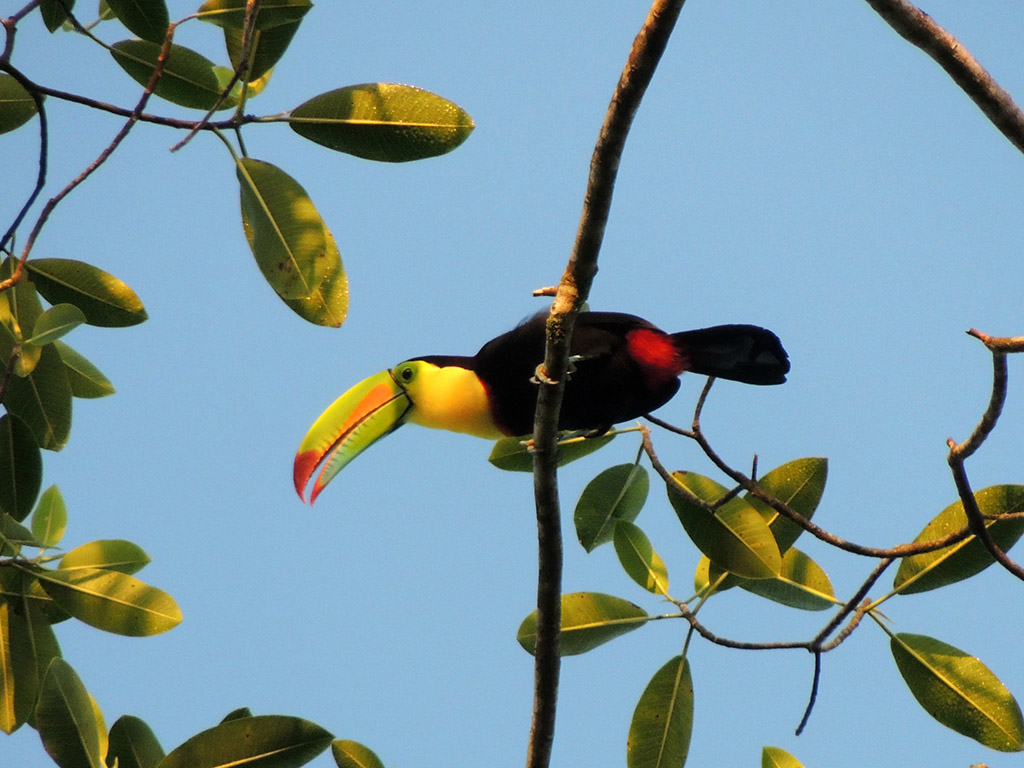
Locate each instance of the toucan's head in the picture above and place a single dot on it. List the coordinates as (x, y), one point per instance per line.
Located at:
(438, 392)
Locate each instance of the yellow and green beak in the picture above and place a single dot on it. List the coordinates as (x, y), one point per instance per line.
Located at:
(370, 410)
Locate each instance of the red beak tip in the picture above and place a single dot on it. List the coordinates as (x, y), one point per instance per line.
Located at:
(305, 464)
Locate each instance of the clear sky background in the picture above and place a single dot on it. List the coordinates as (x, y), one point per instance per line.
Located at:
(796, 165)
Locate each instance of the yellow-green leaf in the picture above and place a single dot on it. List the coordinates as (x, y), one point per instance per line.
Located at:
(268, 741)
(659, 734)
(50, 517)
(968, 557)
(133, 744)
(352, 754)
(735, 537)
(775, 757)
(111, 554)
(17, 106)
(66, 719)
(188, 78)
(801, 583)
(85, 379)
(231, 13)
(617, 493)
(105, 300)
(288, 237)
(800, 484)
(111, 601)
(513, 453)
(147, 19)
(959, 691)
(268, 46)
(21, 467)
(638, 558)
(55, 322)
(589, 619)
(327, 305)
(42, 399)
(383, 121)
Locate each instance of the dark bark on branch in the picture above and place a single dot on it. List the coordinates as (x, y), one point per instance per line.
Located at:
(919, 28)
(647, 49)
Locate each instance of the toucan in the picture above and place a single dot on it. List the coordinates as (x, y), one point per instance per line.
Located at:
(621, 367)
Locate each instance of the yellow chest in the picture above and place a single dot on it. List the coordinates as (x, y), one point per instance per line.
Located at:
(452, 398)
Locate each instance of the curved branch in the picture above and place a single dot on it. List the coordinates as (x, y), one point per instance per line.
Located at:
(573, 289)
(917, 27)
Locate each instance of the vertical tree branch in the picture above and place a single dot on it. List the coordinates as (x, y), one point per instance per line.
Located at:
(647, 49)
(919, 28)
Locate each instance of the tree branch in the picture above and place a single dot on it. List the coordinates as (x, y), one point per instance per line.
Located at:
(959, 452)
(572, 291)
(919, 28)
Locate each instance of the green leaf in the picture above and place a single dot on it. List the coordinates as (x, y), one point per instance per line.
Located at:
(774, 757)
(84, 378)
(21, 467)
(272, 13)
(800, 484)
(18, 680)
(66, 719)
(111, 601)
(43, 400)
(930, 570)
(618, 493)
(110, 554)
(801, 583)
(327, 305)
(288, 235)
(513, 455)
(23, 305)
(268, 46)
(188, 79)
(56, 322)
(589, 619)
(659, 735)
(147, 19)
(959, 691)
(735, 537)
(352, 754)
(638, 558)
(383, 121)
(50, 517)
(105, 300)
(237, 714)
(16, 104)
(133, 744)
(55, 13)
(708, 573)
(269, 741)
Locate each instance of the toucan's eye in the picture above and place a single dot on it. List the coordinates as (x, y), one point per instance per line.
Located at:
(406, 374)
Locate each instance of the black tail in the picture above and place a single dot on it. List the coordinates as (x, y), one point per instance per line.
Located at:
(744, 353)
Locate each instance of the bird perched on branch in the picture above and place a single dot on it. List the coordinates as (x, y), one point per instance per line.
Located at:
(621, 367)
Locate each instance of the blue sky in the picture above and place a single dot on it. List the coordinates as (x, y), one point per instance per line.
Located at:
(795, 165)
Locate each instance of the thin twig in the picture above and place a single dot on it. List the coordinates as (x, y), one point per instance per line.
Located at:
(959, 452)
(573, 289)
(44, 152)
(252, 7)
(919, 28)
(54, 201)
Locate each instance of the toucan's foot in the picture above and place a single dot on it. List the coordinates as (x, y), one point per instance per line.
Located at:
(541, 377)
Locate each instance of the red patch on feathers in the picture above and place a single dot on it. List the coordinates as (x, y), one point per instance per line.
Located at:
(655, 352)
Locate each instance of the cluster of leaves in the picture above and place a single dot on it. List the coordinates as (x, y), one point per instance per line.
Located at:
(746, 543)
(40, 373)
(293, 247)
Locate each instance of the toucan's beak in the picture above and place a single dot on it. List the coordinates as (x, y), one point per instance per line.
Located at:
(355, 421)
